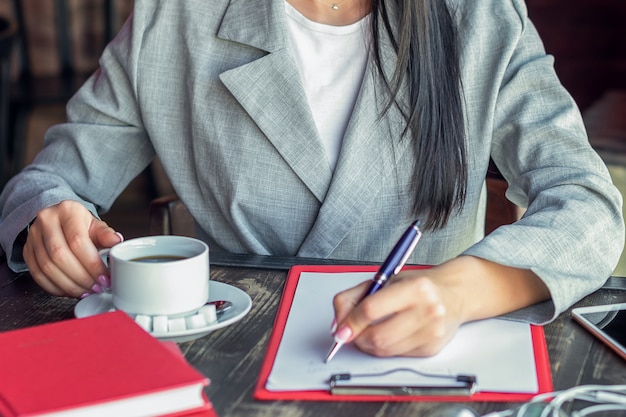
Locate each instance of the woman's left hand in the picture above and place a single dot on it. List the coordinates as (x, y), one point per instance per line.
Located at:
(420, 310)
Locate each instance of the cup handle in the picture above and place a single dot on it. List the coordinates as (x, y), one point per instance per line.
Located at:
(104, 255)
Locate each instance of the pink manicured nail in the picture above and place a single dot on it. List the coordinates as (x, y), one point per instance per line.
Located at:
(104, 281)
(97, 289)
(343, 334)
(333, 326)
(85, 295)
(120, 236)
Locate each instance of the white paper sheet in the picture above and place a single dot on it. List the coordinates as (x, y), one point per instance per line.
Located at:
(498, 352)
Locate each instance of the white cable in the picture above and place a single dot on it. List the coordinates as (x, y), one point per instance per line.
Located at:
(585, 393)
(611, 397)
(606, 397)
(587, 411)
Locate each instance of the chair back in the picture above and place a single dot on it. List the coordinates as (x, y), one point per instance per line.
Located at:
(169, 216)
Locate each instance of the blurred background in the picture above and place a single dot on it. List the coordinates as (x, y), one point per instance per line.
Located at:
(62, 39)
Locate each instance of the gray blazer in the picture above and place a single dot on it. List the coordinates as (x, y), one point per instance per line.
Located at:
(212, 89)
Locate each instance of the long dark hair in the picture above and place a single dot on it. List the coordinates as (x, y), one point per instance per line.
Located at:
(424, 36)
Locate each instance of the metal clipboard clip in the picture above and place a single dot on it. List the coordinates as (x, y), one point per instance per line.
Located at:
(367, 384)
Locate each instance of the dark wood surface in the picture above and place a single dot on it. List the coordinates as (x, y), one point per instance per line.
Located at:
(231, 357)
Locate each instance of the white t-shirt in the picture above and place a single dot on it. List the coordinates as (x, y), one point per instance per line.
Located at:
(332, 62)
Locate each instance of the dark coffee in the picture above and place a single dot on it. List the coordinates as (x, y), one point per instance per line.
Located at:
(158, 258)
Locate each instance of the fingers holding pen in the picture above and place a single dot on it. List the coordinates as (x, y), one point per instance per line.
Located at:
(407, 317)
(366, 305)
(352, 313)
(421, 323)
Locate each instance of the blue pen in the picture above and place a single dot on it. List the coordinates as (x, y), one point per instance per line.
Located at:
(392, 265)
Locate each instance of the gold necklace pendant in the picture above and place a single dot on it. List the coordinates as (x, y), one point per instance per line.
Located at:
(334, 6)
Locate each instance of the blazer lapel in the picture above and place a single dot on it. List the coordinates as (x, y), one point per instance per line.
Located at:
(270, 90)
(371, 148)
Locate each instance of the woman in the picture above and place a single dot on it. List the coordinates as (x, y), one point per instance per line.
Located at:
(323, 129)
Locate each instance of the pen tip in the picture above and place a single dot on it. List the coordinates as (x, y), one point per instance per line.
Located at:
(333, 351)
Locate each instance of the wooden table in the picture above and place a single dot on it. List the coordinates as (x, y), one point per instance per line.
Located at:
(231, 357)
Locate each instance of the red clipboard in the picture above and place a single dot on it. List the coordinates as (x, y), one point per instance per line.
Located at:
(544, 376)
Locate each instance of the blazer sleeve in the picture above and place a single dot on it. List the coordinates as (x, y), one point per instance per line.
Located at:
(572, 232)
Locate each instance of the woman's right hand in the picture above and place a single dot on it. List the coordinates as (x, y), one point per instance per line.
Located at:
(61, 250)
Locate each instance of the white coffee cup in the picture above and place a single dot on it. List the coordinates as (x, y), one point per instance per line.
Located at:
(159, 275)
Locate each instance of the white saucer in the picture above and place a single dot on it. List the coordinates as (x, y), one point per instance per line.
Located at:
(101, 303)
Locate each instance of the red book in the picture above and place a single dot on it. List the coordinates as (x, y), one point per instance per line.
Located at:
(103, 365)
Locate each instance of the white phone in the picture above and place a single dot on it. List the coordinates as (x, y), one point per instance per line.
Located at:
(607, 322)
